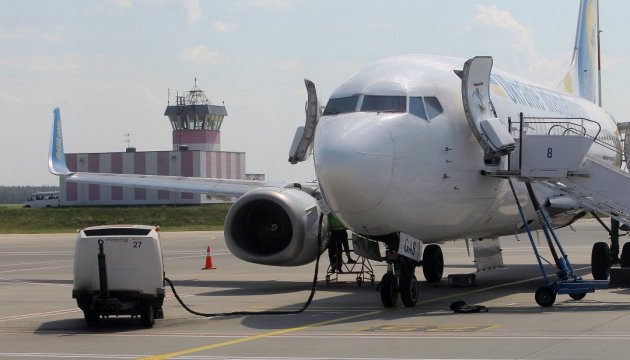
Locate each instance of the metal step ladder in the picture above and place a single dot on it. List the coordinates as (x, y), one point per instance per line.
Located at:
(553, 151)
(559, 159)
(568, 282)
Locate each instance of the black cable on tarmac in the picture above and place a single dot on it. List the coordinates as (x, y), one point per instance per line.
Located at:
(291, 312)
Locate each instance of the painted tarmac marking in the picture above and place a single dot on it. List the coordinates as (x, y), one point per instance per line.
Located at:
(33, 269)
(332, 321)
(430, 328)
(257, 337)
(35, 315)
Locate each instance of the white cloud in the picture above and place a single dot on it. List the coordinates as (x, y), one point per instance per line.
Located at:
(199, 55)
(24, 33)
(274, 4)
(492, 16)
(528, 61)
(123, 3)
(66, 64)
(4, 96)
(191, 10)
(222, 26)
(288, 65)
(611, 62)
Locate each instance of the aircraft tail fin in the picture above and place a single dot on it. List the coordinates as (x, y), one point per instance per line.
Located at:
(582, 78)
(56, 156)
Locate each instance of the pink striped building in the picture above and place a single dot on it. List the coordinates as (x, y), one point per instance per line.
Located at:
(196, 143)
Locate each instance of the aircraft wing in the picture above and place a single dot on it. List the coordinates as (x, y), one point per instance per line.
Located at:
(224, 187)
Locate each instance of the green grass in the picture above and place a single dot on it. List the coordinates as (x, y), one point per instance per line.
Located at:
(17, 220)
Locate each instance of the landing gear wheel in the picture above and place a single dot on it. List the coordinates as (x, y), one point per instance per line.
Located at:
(92, 318)
(577, 297)
(432, 263)
(408, 289)
(545, 296)
(624, 260)
(146, 315)
(389, 290)
(601, 261)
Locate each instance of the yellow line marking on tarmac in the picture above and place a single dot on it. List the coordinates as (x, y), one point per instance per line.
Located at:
(327, 322)
(256, 337)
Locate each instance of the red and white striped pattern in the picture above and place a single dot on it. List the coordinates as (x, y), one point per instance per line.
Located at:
(211, 164)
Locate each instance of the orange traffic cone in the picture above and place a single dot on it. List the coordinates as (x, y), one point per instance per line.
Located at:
(208, 260)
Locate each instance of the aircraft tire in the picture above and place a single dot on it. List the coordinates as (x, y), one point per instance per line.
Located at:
(601, 261)
(408, 289)
(389, 290)
(545, 296)
(624, 260)
(432, 263)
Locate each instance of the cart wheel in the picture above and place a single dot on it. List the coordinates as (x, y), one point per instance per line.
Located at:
(327, 280)
(146, 315)
(577, 297)
(359, 281)
(389, 290)
(92, 318)
(372, 279)
(545, 296)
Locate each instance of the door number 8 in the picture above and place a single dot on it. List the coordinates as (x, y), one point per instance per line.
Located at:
(549, 153)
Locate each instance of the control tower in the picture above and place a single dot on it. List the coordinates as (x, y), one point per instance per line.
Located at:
(196, 122)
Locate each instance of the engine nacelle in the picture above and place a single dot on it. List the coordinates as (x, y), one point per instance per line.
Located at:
(275, 226)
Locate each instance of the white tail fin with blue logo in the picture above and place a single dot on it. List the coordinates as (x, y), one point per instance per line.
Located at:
(583, 76)
(56, 157)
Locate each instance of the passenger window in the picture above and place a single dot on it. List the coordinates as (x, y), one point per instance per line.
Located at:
(416, 107)
(341, 105)
(433, 106)
(382, 103)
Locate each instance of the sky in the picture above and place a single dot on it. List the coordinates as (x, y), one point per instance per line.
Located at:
(109, 65)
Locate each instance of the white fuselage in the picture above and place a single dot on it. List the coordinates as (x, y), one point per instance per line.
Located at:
(385, 172)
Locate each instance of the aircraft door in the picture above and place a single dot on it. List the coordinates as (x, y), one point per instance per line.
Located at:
(492, 134)
(303, 140)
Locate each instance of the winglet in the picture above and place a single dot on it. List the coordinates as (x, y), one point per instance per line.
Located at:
(56, 156)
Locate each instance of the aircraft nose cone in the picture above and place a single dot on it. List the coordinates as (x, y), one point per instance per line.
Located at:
(354, 161)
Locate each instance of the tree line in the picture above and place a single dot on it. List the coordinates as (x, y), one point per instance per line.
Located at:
(18, 194)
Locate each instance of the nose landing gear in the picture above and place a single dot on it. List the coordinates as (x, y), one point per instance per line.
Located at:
(400, 277)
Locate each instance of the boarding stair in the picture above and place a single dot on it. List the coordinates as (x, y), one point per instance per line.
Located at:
(559, 158)
(564, 153)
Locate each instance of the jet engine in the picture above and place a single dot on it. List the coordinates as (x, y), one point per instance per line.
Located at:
(275, 226)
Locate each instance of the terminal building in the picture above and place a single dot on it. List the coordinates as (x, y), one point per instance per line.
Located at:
(196, 152)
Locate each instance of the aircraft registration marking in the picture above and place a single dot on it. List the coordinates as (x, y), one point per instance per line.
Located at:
(431, 328)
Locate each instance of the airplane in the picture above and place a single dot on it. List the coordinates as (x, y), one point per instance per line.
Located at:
(414, 151)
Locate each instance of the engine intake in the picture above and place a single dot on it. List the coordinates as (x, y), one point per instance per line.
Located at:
(275, 226)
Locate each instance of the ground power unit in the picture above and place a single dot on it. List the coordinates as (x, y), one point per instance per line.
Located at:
(119, 270)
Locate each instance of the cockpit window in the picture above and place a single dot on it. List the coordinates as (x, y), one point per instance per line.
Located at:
(382, 103)
(416, 107)
(433, 106)
(341, 105)
(425, 108)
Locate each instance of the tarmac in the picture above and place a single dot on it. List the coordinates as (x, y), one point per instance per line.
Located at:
(39, 319)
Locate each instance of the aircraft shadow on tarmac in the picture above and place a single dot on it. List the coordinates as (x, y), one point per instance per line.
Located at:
(435, 299)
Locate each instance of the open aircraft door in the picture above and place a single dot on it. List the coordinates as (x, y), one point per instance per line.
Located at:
(493, 136)
(303, 139)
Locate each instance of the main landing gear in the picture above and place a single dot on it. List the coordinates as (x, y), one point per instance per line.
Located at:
(604, 256)
(400, 277)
